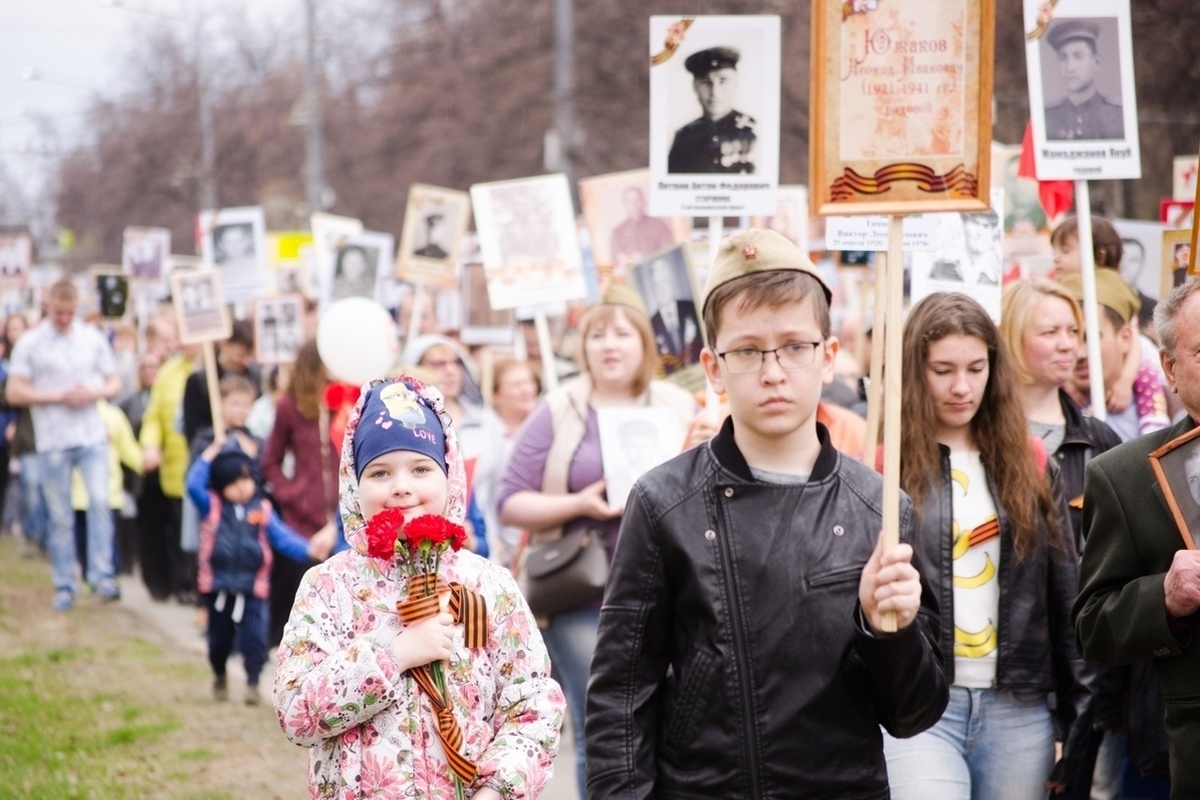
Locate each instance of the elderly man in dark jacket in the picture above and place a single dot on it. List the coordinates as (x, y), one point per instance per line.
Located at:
(1139, 579)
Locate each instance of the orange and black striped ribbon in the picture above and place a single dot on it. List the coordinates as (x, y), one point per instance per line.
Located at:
(468, 609)
(984, 532)
(957, 182)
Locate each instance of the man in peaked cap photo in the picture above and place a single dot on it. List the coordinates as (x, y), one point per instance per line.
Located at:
(1084, 113)
(723, 139)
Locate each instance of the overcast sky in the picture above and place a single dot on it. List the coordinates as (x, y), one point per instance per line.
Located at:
(74, 49)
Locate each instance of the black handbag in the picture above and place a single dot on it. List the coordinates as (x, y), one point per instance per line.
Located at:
(566, 573)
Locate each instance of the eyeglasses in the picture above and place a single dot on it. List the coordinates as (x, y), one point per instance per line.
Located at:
(793, 355)
(441, 363)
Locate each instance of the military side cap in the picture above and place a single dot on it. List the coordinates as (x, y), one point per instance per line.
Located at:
(622, 294)
(1069, 29)
(703, 62)
(755, 250)
(1111, 291)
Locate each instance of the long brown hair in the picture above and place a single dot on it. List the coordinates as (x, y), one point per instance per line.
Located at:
(998, 428)
(307, 384)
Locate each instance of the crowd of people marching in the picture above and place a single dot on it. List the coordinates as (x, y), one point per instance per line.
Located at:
(742, 647)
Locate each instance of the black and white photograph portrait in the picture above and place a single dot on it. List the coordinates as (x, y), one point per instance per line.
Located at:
(16, 256)
(234, 242)
(1079, 63)
(278, 331)
(360, 265)
(633, 441)
(144, 253)
(112, 293)
(714, 110)
(967, 256)
(666, 287)
(435, 221)
(1082, 97)
(200, 306)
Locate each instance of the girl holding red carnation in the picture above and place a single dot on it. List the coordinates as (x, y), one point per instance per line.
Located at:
(346, 684)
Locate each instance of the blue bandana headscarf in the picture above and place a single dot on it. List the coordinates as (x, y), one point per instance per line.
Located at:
(394, 417)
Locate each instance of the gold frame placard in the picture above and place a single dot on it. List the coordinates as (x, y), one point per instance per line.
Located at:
(901, 118)
(1173, 479)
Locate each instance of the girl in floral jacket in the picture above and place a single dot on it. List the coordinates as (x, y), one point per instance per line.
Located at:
(344, 685)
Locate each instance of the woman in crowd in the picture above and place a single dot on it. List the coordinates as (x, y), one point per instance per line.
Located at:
(300, 467)
(554, 483)
(997, 550)
(1041, 324)
(514, 391)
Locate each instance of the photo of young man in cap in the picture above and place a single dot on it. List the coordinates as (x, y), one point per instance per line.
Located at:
(722, 139)
(1084, 113)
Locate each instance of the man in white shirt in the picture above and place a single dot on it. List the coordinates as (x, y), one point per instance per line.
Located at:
(60, 369)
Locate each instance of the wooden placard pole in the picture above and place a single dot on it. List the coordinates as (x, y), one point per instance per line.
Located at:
(414, 313)
(894, 277)
(546, 347)
(875, 374)
(1091, 319)
(214, 389)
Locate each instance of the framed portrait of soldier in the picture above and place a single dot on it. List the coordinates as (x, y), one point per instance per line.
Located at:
(361, 263)
(528, 241)
(200, 306)
(714, 115)
(1177, 467)
(435, 221)
(233, 241)
(900, 106)
(633, 441)
(668, 290)
(967, 256)
(616, 208)
(1178, 259)
(144, 253)
(1079, 58)
(278, 328)
(112, 291)
(16, 257)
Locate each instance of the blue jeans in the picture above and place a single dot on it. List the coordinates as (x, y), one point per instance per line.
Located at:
(571, 640)
(988, 745)
(35, 519)
(92, 462)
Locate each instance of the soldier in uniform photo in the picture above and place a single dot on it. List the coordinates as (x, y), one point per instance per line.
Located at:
(1084, 113)
(432, 248)
(638, 235)
(722, 139)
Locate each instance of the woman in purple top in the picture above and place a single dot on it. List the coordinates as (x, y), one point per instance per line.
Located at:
(554, 480)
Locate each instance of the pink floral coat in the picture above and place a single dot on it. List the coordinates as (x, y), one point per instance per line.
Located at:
(372, 733)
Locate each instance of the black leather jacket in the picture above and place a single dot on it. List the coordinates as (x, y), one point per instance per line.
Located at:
(1037, 641)
(1084, 439)
(732, 661)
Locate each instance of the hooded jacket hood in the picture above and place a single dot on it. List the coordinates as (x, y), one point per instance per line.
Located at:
(348, 496)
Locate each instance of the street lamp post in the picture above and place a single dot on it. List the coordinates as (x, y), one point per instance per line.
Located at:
(314, 168)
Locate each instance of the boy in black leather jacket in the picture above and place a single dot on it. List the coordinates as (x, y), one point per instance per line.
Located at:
(740, 652)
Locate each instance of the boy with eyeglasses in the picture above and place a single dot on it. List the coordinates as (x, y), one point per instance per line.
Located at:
(741, 650)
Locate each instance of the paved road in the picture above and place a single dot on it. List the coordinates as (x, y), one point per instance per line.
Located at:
(180, 623)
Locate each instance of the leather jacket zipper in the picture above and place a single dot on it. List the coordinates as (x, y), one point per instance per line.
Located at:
(739, 648)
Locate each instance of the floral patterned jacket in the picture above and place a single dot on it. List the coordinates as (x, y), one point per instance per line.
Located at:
(338, 689)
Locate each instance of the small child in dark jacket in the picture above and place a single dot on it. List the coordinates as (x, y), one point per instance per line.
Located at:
(238, 527)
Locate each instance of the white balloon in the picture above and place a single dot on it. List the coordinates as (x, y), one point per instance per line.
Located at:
(357, 340)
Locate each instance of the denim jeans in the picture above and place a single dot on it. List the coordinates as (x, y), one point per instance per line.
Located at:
(571, 641)
(35, 518)
(988, 745)
(92, 462)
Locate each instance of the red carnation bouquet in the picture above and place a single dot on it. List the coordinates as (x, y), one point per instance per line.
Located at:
(417, 546)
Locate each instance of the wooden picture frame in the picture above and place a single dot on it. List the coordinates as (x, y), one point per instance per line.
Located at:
(1174, 270)
(1171, 463)
(435, 222)
(901, 123)
(1195, 232)
(200, 307)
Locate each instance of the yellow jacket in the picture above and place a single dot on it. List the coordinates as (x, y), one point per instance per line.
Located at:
(159, 423)
(122, 449)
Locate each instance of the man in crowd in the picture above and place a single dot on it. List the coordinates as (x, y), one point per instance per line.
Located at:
(60, 369)
(1139, 586)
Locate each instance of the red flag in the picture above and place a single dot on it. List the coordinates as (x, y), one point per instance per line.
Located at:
(1056, 197)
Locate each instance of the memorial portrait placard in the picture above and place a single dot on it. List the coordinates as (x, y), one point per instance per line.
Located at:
(435, 220)
(901, 106)
(714, 115)
(200, 306)
(1079, 58)
(234, 242)
(1177, 467)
